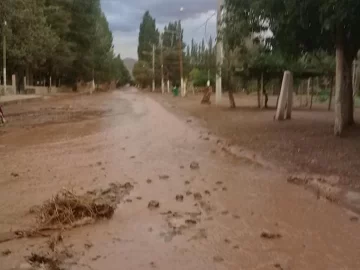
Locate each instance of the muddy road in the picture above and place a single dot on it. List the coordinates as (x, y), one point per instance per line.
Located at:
(215, 210)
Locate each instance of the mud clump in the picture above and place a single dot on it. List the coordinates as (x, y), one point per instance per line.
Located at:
(6, 252)
(354, 219)
(218, 259)
(278, 266)
(14, 174)
(153, 205)
(297, 180)
(67, 209)
(197, 196)
(270, 236)
(194, 165)
(190, 222)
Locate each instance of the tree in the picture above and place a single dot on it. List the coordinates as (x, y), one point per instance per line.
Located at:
(148, 36)
(30, 39)
(119, 72)
(84, 19)
(306, 27)
(142, 73)
(58, 17)
(202, 60)
(66, 39)
(172, 36)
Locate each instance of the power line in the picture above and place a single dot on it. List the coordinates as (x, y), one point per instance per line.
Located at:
(205, 23)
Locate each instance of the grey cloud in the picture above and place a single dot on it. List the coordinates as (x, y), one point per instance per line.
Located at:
(125, 15)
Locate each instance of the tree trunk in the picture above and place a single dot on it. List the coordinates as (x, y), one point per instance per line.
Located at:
(344, 103)
(231, 98)
(262, 90)
(266, 99)
(331, 92)
(350, 104)
(312, 94)
(308, 92)
(258, 93)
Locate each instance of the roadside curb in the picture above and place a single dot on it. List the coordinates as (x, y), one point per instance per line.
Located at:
(44, 97)
(20, 101)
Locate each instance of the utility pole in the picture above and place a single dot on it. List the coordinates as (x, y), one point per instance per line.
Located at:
(153, 67)
(93, 82)
(219, 53)
(162, 65)
(181, 62)
(4, 57)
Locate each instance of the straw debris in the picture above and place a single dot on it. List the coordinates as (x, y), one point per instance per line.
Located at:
(67, 209)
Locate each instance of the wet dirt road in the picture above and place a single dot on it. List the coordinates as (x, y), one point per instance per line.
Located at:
(229, 213)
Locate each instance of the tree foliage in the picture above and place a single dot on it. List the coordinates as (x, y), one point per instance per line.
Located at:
(172, 39)
(148, 36)
(142, 73)
(301, 28)
(66, 39)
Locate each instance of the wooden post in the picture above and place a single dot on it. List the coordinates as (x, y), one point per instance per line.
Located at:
(283, 97)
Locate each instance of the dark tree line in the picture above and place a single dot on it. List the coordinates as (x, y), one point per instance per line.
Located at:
(198, 59)
(67, 40)
(301, 29)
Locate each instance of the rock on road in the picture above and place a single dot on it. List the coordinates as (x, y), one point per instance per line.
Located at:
(224, 213)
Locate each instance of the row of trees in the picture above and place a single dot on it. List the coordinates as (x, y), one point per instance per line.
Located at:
(305, 38)
(198, 59)
(262, 39)
(68, 40)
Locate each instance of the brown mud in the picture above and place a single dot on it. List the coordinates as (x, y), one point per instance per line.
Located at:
(234, 212)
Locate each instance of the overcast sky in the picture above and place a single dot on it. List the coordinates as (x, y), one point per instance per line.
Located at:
(125, 17)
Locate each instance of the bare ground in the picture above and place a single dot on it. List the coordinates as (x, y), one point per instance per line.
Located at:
(304, 144)
(193, 205)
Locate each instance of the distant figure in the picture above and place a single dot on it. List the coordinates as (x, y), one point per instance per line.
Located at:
(3, 121)
(175, 91)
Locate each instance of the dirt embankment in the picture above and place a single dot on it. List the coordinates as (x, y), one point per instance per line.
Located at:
(304, 144)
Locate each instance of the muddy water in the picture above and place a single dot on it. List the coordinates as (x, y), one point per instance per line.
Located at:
(228, 203)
